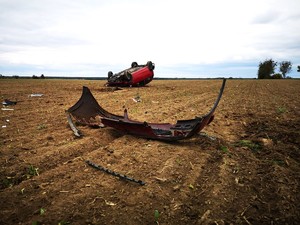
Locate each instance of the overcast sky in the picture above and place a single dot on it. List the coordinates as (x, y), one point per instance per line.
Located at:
(184, 38)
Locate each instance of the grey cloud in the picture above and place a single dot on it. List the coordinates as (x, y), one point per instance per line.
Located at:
(30, 24)
(267, 17)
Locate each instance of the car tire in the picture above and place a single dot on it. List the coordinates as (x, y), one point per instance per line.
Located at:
(110, 74)
(134, 64)
(150, 65)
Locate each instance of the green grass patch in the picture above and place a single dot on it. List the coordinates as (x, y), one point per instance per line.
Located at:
(42, 126)
(281, 110)
(278, 162)
(63, 222)
(156, 216)
(255, 147)
(32, 171)
(224, 149)
(178, 161)
(7, 182)
(42, 211)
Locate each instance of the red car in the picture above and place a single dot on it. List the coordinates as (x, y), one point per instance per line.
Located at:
(136, 75)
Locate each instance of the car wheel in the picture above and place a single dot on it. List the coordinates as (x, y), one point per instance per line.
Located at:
(150, 65)
(110, 74)
(134, 64)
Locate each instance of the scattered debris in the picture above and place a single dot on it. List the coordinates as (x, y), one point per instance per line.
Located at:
(110, 89)
(160, 179)
(109, 203)
(7, 109)
(137, 99)
(7, 121)
(36, 95)
(8, 102)
(122, 176)
(208, 136)
(205, 218)
(76, 132)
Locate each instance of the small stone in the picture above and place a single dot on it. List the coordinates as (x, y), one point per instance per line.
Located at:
(176, 188)
(266, 142)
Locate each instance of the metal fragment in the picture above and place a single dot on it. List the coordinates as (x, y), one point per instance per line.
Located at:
(122, 176)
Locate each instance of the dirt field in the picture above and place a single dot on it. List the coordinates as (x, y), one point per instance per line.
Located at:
(243, 169)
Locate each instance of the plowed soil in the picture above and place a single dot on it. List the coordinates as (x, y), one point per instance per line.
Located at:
(244, 168)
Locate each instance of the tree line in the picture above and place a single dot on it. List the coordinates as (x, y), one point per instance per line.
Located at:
(17, 77)
(266, 69)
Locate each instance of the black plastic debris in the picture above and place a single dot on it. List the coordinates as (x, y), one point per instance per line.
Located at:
(8, 102)
(122, 176)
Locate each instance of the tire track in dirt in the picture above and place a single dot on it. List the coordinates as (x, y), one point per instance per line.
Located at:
(227, 180)
(93, 178)
(42, 154)
(112, 156)
(261, 125)
(229, 114)
(58, 170)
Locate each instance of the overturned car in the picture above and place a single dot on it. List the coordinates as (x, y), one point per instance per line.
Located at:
(136, 75)
(87, 111)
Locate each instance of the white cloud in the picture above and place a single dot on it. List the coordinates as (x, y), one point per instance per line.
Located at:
(61, 34)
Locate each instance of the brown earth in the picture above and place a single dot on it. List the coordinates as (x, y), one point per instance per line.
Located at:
(243, 170)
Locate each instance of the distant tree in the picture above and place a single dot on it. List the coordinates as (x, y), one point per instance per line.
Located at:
(42, 76)
(298, 70)
(266, 69)
(34, 77)
(277, 76)
(285, 67)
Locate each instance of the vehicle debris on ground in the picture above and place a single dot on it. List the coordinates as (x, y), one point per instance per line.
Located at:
(36, 95)
(87, 111)
(113, 173)
(8, 102)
